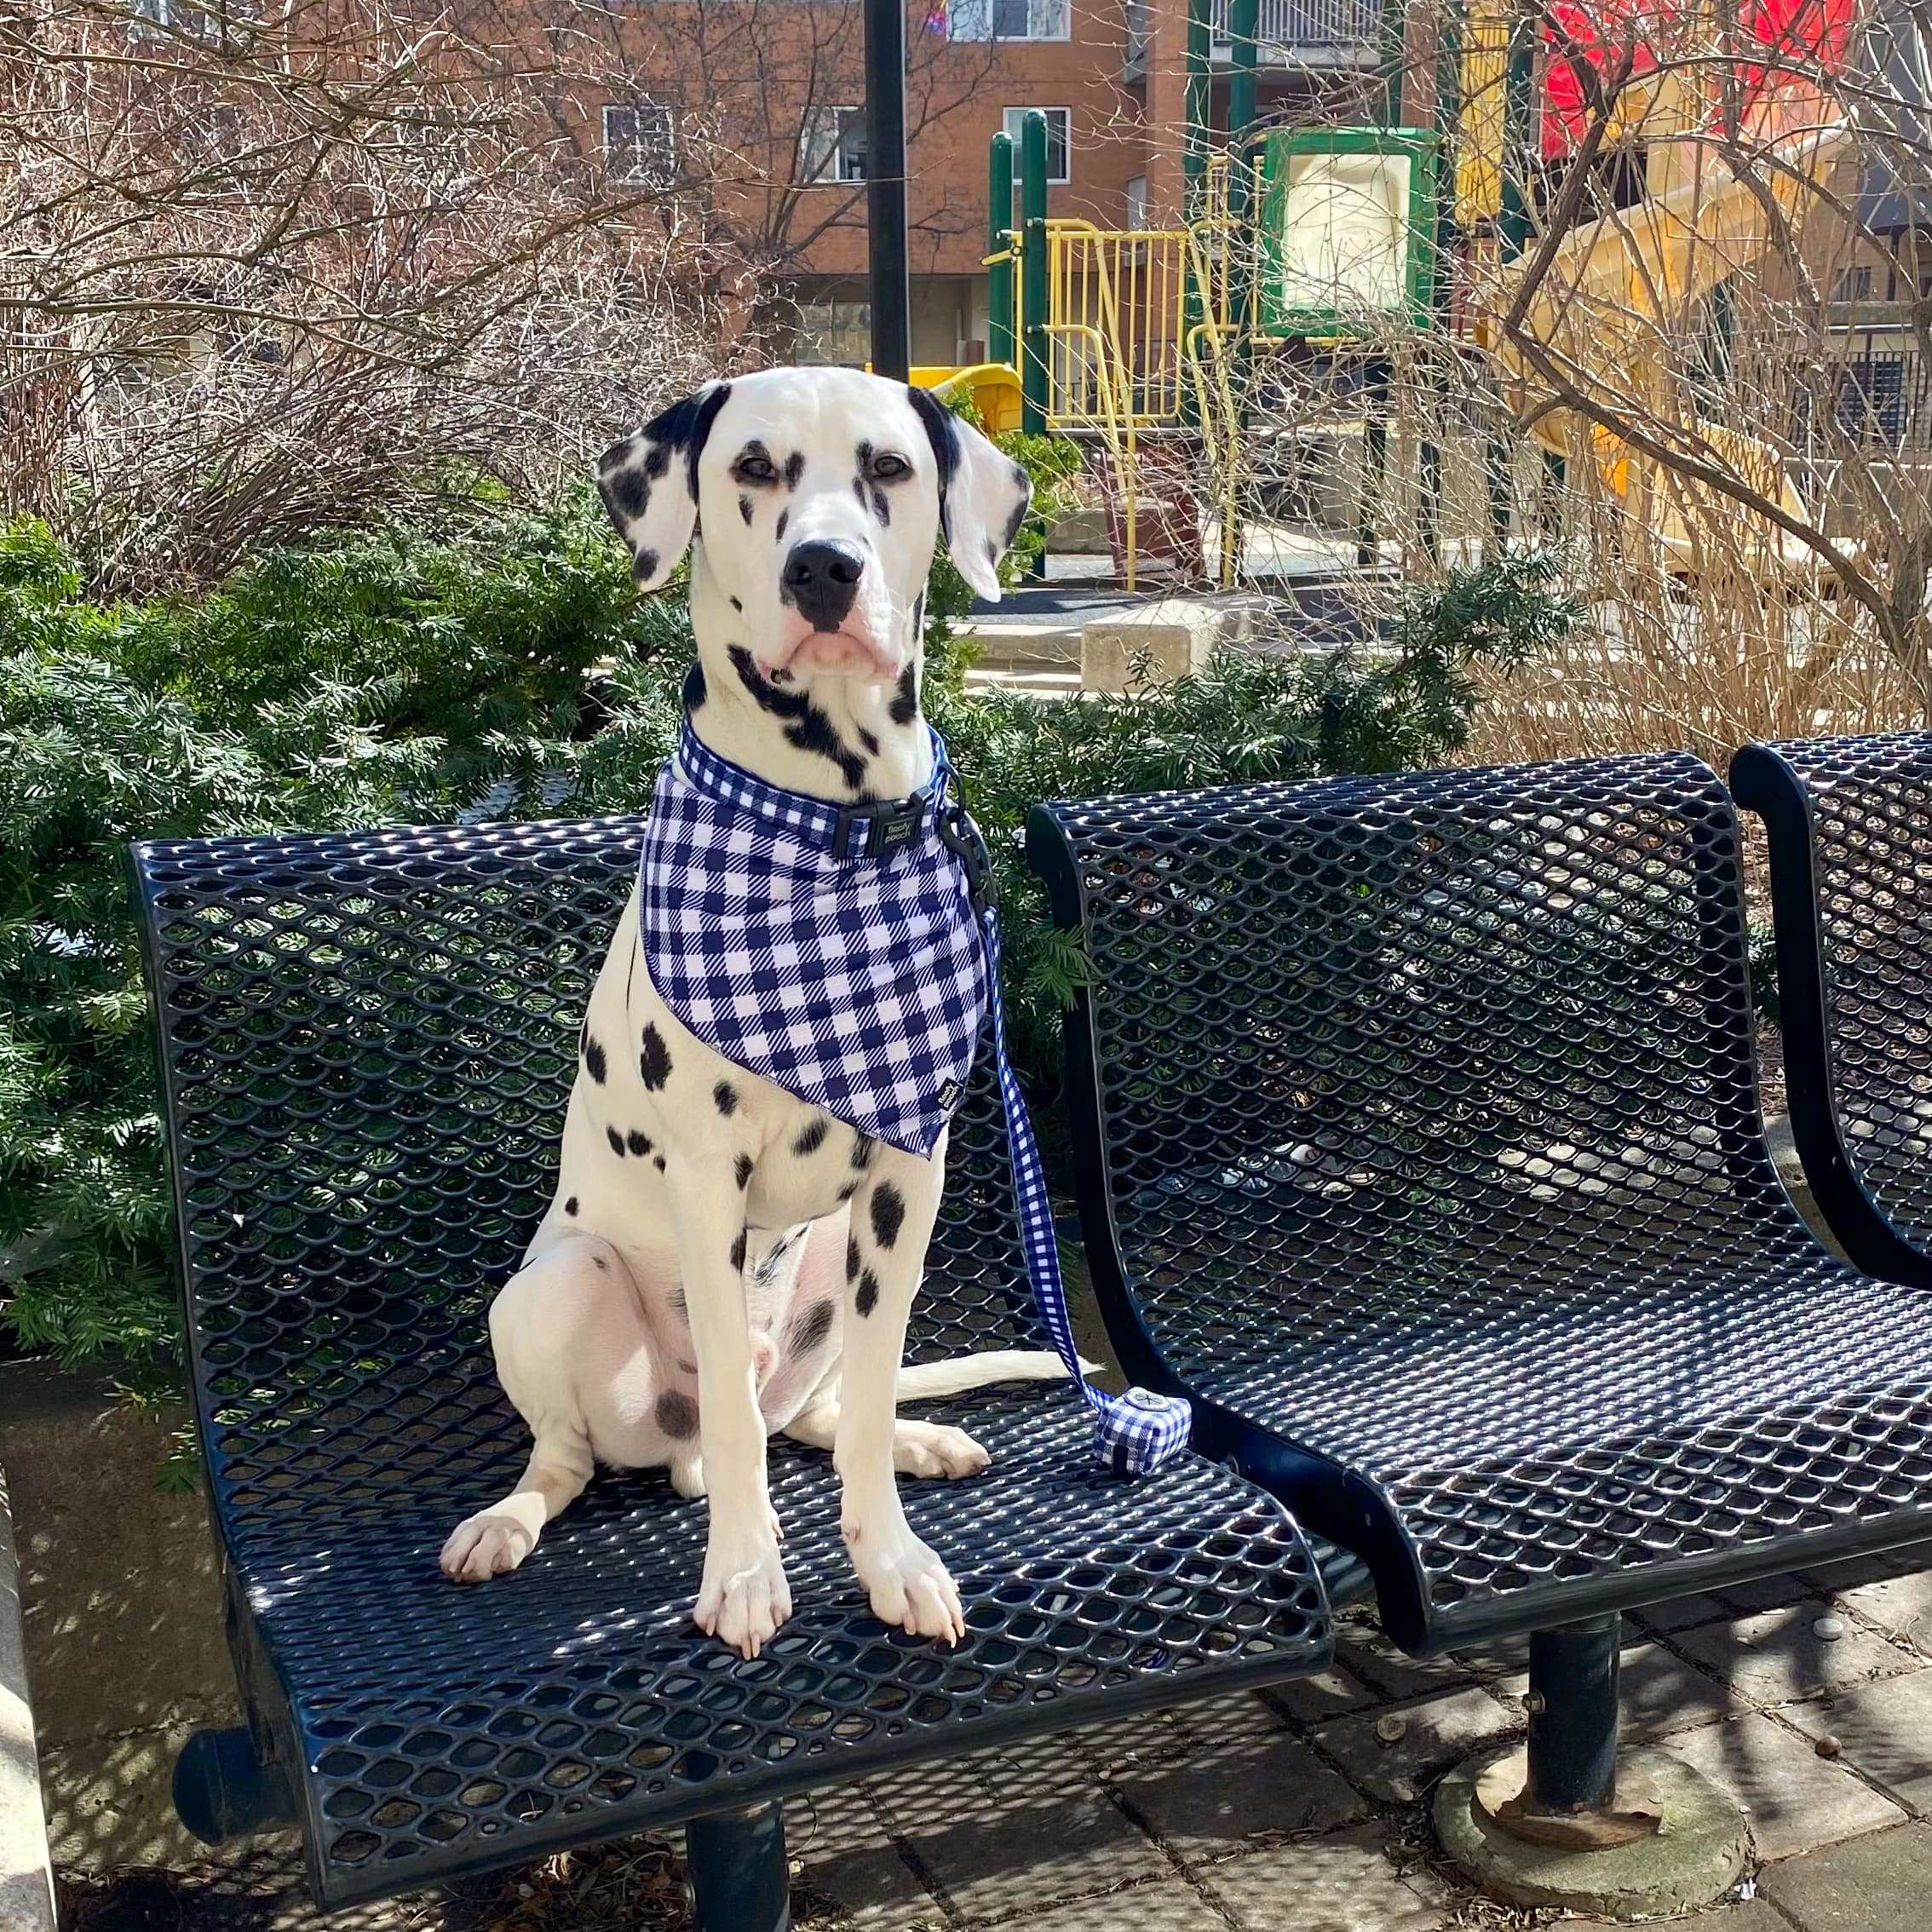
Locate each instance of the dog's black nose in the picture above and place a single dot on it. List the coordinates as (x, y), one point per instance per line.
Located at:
(821, 577)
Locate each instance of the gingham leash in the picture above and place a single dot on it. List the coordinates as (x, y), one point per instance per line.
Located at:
(1134, 1433)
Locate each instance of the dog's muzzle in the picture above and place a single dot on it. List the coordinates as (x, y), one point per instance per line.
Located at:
(821, 578)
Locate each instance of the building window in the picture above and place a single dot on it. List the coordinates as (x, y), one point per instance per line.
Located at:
(1059, 139)
(831, 145)
(640, 142)
(1008, 20)
(1137, 200)
(206, 19)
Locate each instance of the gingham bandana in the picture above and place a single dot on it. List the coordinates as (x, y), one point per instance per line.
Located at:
(847, 955)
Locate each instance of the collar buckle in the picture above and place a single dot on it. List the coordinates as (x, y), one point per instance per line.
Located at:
(890, 825)
(961, 837)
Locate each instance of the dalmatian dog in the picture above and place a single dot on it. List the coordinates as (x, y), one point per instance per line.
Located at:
(722, 1260)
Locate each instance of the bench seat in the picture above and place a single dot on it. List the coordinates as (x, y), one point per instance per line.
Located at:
(366, 1041)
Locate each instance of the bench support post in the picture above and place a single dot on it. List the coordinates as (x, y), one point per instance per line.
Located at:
(1573, 1717)
(740, 1879)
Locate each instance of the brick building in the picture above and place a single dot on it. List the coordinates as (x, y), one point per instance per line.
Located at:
(779, 97)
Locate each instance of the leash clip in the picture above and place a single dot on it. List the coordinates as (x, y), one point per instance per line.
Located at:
(890, 827)
(960, 835)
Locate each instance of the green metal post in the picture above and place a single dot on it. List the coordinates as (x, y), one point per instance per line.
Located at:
(999, 222)
(1034, 366)
(1244, 27)
(1194, 138)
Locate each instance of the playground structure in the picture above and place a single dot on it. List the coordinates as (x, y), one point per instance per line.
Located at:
(1151, 345)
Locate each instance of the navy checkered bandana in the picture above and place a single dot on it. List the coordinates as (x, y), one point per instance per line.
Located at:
(850, 955)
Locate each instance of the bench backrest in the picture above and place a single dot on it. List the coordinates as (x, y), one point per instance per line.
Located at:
(1342, 1035)
(1850, 820)
(367, 1041)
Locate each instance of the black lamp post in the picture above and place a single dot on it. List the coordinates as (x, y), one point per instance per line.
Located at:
(885, 185)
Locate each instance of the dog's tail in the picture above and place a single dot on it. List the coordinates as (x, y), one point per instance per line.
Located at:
(926, 1380)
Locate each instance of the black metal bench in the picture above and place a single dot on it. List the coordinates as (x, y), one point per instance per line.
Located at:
(1418, 1140)
(1849, 821)
(366, 1044)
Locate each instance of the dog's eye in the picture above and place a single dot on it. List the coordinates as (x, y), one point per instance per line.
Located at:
(889, 468)
(755, 469)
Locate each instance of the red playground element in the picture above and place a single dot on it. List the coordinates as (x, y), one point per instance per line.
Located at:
(1785, 45)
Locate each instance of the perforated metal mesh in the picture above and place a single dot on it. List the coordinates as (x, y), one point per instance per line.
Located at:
(368, 1041)
(1426, 1121)
(1869, 875)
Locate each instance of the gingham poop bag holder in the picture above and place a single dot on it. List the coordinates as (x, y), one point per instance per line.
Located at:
(849, 955)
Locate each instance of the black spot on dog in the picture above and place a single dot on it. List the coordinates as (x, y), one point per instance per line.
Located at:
(654, 1063)
(862, 1148)
(658, 1162)
(639, 1144)
(1018, 515)
(848, 1190)
(628, 491)
(738, 1253)
(685, 426)
(942, 432)
(858, 490)
(889, 1213)
(806, 727)
(659, 460)
(881, 508)
(808, 1328)
(694, 691)
(851, 1257)
(687, 1368)
(726, 1095)
(677, 1415)
(745, 509)
(735, 605)
(781, 675)
(992, 550)
(616, 1140)
(867, 1298)
(744, 1170)
(919, 612)
(680, 1308)
(904, 705)
(570, 1206)
(598, 1262)
(594, 1064)
(784, 518)
(869, 741)
(811, 1137)
(794, 468)
(646, 565)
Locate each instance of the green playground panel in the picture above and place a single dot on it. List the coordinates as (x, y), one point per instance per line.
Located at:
(1398, 281)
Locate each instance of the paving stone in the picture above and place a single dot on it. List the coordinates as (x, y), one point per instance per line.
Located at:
(1795, 1798)
(1206, 1807)
(1366, 1654)
(1877, 1885)
(1768, 1593)
(876, 1888)
(1343, 1884)
(1312, 1700)
(1683, 1613)
(1886, 1730)
(1172, 1906)
(1501, 1657)
(1433, 1736)
(1230, 1720)
(1033, 1827)
(1749, 1915)
(1148, 1737)
(1853, 1571)
(1900, 1605)
(1658, 1693)
(1774, 1658)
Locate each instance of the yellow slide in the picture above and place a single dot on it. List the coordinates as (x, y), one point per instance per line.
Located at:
(1620, 287)
(993, 386)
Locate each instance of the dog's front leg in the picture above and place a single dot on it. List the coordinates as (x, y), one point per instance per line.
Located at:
(744, 1596)
(892, 1220)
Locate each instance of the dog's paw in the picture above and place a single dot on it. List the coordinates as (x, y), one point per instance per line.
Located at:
(744, 1596)
(907, 1584)
(935, 1449)
(490, 1544)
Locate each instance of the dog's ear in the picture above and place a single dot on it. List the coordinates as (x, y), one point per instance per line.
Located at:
(983, 496)
(649, 483)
